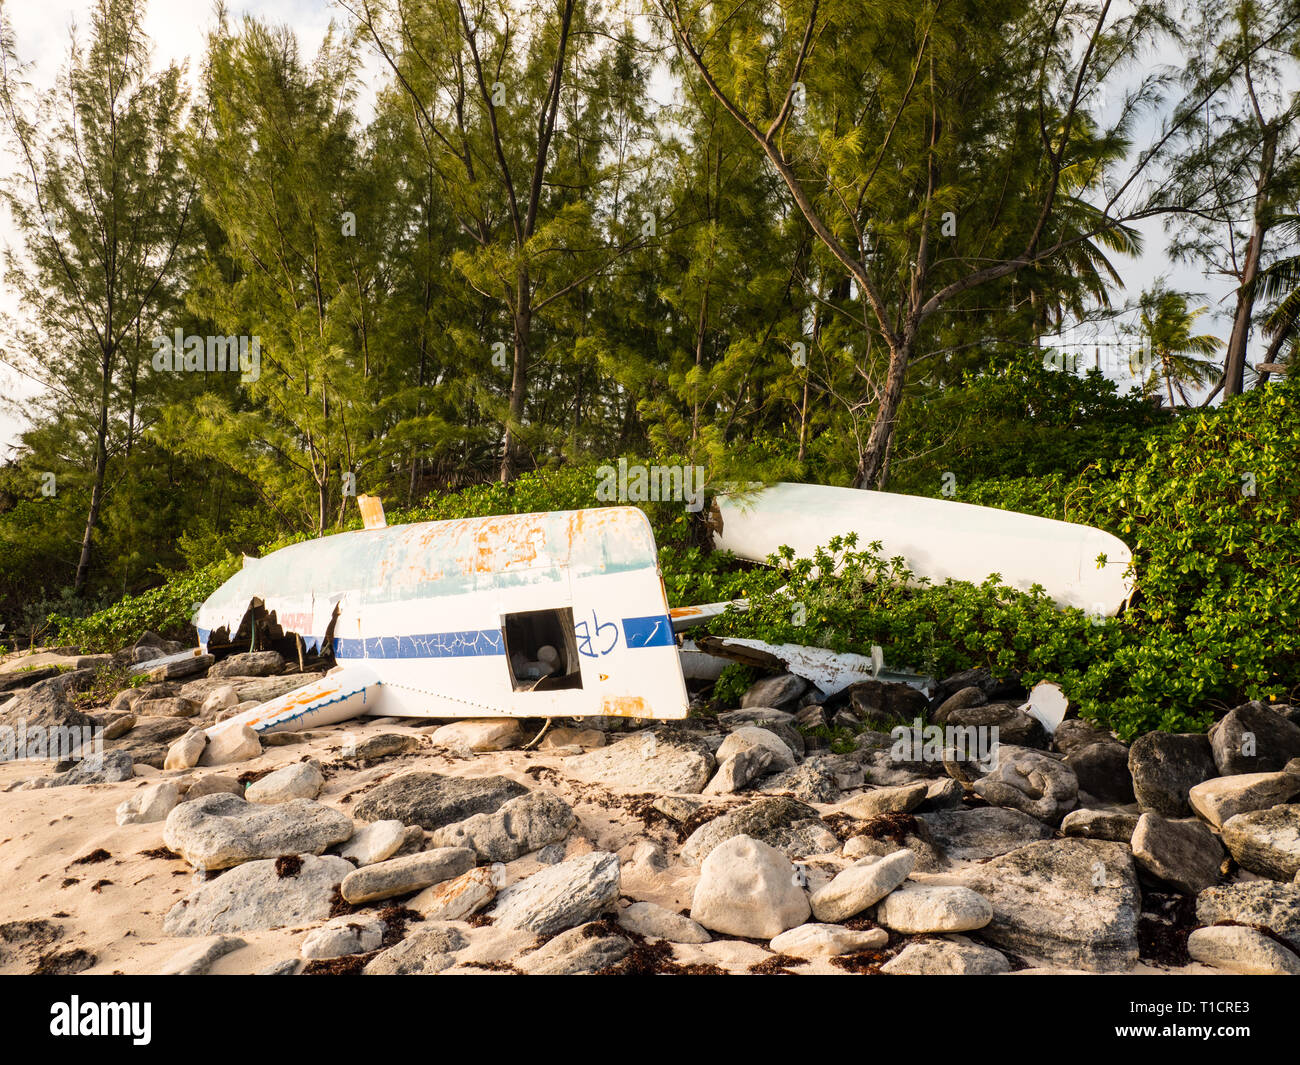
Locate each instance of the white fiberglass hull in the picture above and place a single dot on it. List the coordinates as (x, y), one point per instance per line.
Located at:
(939, 539)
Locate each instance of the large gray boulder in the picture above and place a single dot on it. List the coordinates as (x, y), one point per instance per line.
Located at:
(1166, 766)
(1068, 902)
(184, 667)
(748, 889)
(827, 941)
(522, 825)
(1032, 782)
(151, 738)
(432, 800)
(219, 831)
(1184, 854)
(250, 664)
(651, 919)
(261, 894)
(1241, 950)
(985, 832)
(406, 875)
(1259, 902)
(886, 702)
(751, 737)
(351, 933)
(738, 770)
(1102, 770)
(560, 897)
(780, 692)
(659, 761)
(946, 957)
(1014, 726)
(47, 703)
(1254, 738)
(111, 767)
(426, 951)
(300, 780)
(1112, 825)
(374, 842)
(813, 781)
(1074, 734)
(237, 743)
(791, 826)
(877, 802)
(17, 679)
(962, 698)
(924, 909)
(1266, 842)
(1223, 797)
(583, 950)
(860, 886)
(460, 897)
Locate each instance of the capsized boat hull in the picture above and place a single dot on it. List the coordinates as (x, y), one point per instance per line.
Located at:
(940, 539)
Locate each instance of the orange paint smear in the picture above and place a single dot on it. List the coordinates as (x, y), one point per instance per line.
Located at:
(625, 706)
(289, 702)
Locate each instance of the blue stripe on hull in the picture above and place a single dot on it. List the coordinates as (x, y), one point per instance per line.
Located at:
(469, 643)
(653, 631)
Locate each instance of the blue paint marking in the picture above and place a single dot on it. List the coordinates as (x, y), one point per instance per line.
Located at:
(468, 643)
(653, 631)
(588, 635)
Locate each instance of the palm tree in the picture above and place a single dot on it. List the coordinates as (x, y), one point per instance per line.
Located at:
(1178, 356)
(1280, 284)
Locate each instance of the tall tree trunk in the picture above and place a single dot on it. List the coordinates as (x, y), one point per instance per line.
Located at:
(1271, 353)
(523, 324)
(1234, 364)
(101, 468)
(803, 420)
(871, 466)
(700, 333)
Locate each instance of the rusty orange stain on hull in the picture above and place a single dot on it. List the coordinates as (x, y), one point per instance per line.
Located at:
(625, 706)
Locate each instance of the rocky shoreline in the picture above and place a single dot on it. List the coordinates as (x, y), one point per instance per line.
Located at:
(739, 842)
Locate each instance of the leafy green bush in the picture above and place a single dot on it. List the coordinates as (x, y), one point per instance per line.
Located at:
(734, 680)
(1212, 512)
(166, 610)
(1015, 419)
(847, 600)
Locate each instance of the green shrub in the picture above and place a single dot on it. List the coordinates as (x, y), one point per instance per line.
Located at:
(734, 680)
(1016, 420)
(1212, 513)
(847, 600)
(166, 610)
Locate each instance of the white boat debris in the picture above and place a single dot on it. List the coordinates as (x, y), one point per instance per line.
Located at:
(1048, 703)
(939, 539)
(828, 671)
(564, 614)
(529, 615)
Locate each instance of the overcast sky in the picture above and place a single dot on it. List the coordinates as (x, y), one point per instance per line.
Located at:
(178, 29)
